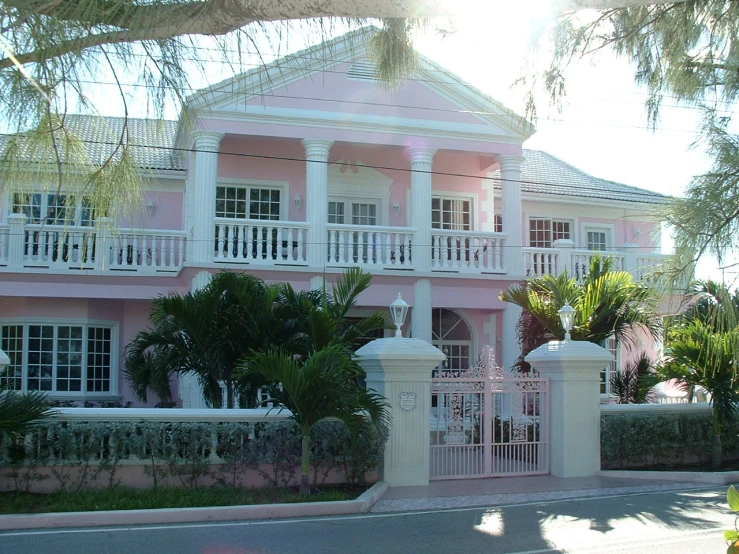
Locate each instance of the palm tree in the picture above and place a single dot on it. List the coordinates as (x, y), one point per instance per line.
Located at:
(18, 412)
(701, 349)
(608, 304)
(696, 354)
(206, 333)
(324, 385)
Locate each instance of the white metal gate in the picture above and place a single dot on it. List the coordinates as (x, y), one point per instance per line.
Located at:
(487, 422)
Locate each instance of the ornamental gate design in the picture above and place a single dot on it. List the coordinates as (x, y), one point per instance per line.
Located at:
(488, 422)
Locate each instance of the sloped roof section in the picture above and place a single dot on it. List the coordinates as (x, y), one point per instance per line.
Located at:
(151, 141)
(542, 173)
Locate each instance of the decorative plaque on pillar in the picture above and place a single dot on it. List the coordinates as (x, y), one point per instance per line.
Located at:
(407, 400)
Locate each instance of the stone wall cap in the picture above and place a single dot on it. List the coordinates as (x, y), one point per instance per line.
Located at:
(569, 350)
(399, 348)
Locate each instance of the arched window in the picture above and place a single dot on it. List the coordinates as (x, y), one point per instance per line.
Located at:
(451, 335)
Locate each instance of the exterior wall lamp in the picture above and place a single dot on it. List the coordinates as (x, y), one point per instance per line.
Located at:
(398, 310)
(567, 317)
(396, 208)
(298, 201)
(151, 208)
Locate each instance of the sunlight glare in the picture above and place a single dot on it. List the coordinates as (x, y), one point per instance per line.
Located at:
(492, 524)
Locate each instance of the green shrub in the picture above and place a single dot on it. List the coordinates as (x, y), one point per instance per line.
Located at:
(80, 455)
(645, 440)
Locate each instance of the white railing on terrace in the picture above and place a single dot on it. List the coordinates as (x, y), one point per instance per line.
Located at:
(370, 246)
(150, 249)
(4, 233)
(467, 250)
(554, 261)
(260, 242)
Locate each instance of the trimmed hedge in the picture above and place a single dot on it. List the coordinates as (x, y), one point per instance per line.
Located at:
(647, 440)
(194, 453)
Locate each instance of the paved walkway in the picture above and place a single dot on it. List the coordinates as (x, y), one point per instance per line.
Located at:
(464, 493)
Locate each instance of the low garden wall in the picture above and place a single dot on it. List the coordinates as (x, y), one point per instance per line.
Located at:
(660, 435)
(103, 447)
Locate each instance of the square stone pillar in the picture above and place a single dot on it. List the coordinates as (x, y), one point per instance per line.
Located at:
(400, 370)
(573, 368)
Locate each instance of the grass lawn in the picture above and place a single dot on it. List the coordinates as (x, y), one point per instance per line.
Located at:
(126, 498)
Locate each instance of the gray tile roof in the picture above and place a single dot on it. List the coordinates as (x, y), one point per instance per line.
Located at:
(151, 140)
(541, 173)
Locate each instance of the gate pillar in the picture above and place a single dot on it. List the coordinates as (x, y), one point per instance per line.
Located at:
(400, 370)
(573, 368)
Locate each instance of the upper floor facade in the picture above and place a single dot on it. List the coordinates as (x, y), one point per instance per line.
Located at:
(315, 166)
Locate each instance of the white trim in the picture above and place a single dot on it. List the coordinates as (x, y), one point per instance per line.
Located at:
(382, 125)
(608, 228)
(115, 373)
(572, 220)
(487, 206)
(282, 186)
(367, 184)
(473, 197)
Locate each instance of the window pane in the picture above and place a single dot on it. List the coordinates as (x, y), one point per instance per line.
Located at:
(87, 215)
(264, 204)
(28, 204)
(40, 357)
(336, 212)
(69, 359)
(12, 343)
(231, 202)
(560, 230)
(98, 359)
(540, 233)
(57, 212)
(451, 213)
(597, 240)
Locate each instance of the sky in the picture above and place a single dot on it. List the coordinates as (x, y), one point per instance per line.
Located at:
(602, 128)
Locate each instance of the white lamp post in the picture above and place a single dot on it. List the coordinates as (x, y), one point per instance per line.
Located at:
(567, 317)
(398, 310)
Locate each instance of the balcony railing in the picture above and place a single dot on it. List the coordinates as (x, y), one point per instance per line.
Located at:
(71, 249)
(467, 251)
(554, 261)
(260, 242)
(370, 246)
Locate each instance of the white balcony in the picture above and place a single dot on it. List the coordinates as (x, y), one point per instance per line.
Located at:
(554, 261)
(63, 249)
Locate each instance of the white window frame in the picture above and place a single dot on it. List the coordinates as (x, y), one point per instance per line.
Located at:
(472, 198)
(607, 228)
(75, 221)
(114, 327)
(552, 221)
(282, 186)
(615, 365)
(349, 200)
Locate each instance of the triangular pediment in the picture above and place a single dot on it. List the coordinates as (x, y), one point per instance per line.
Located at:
(332, 83)
(353, 178)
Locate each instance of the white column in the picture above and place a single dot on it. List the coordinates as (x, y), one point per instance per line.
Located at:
(203, 179)
(188, 388)
(316, 200)
(573, 368)
(422, 160)
(565, 247)
(103, 227)
(511, 345)
(510, 174)
(421, 312)
(400, 370)
(16, 240)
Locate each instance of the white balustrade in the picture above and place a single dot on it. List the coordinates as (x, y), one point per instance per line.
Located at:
(4, 244)
(366, 245)
(646, 264)
(541, 261)
(467, 251)
(581, 261)
(260, 242)
(146, 250)
(59, 247)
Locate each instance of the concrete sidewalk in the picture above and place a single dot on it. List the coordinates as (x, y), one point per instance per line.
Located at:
(464, 493)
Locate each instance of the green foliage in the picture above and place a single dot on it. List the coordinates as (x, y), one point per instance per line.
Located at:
(732, 535)
(19, 412)
(674, 439)
(607, 303)
(80, 456)
(633, 384)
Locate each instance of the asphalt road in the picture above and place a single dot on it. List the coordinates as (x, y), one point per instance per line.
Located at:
(689, 522)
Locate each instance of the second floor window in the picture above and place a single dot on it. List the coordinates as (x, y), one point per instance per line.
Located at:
(451, 213)
(544, 231)
(244, 202)
(361, 213)
(54, 209)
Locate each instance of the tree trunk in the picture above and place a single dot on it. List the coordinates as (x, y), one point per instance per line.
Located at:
(230, 395)
(716, 451)
(305, 467)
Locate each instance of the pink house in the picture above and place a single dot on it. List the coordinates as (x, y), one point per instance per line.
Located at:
(295, 171)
